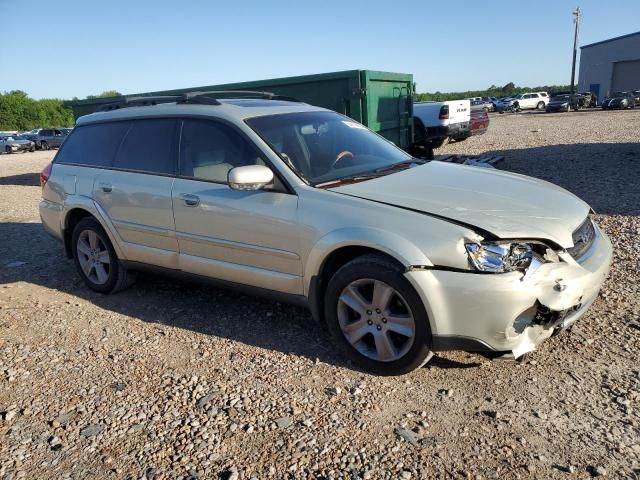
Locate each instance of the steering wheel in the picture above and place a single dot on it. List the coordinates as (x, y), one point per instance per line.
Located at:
(340, 156)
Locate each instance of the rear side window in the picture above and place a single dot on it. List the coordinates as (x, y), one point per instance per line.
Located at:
(93, 145)
(149, 146)
(209, 150)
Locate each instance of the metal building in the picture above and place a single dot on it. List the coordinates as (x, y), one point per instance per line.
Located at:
(610, 65)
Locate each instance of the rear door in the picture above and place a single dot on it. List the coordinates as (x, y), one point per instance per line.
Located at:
(136, 192)
(247, 237)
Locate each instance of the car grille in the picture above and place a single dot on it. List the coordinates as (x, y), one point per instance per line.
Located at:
(583, 238)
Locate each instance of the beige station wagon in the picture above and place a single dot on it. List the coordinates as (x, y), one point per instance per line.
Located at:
(399, 256)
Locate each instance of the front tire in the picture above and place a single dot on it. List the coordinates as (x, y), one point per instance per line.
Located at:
(44, 145)
(376, 317)
(96, 260)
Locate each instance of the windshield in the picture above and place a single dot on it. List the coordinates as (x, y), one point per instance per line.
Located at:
(326, 146)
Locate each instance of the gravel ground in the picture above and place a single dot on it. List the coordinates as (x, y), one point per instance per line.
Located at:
(176, 380)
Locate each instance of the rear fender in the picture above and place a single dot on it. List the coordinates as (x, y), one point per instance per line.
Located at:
(82, 202)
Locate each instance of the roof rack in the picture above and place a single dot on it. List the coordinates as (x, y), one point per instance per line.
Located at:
(203, 98)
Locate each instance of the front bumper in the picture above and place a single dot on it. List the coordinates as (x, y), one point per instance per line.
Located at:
(559, 108)
(506, 312)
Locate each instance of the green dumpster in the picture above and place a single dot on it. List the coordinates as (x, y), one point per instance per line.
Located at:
(379, 100)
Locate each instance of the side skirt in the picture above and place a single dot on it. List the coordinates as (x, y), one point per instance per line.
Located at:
(297, 300)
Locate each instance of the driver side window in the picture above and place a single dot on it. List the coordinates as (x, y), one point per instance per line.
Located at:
(208, 150)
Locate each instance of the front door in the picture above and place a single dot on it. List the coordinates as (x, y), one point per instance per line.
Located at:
(136, 193)
(246, 237)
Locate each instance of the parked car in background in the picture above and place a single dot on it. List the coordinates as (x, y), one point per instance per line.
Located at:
(636, 95)
(506, 104)
(398, 257)
(560, 103)
(493, 101)
(533, 100)
(479, 122)
(619, 101)
(482, 104)
(16, 143)
(438, 122)
(591, 101)
(50, 138)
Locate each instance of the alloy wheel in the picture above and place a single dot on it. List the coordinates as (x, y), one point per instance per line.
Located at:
(93, 257)
(376, 320)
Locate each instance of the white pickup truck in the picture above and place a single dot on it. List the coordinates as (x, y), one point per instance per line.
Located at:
(436, 122)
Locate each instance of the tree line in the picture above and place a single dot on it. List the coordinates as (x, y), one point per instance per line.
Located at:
(20, 112)
(493, 91)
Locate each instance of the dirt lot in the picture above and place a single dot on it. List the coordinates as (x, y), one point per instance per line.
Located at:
(176, 380)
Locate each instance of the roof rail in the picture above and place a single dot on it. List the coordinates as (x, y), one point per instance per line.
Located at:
(205, 98)
(139, 102)
(220, 94)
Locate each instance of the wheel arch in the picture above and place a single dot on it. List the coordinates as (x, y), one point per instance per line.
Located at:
(76, 208)
(339, 247)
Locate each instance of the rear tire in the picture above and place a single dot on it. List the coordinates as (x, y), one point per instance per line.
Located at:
(96, 259)
(7, 149)
(376, 317)
(540, 106)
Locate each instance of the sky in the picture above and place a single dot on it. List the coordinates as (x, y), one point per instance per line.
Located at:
(75, 48)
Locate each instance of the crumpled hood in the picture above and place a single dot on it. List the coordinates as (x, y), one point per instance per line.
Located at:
(505, 204)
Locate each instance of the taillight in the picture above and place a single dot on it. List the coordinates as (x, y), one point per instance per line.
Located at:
(444, 112)
(45, 174)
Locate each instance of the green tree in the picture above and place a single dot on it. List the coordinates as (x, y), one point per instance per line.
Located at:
(108, 93)
(20, 112)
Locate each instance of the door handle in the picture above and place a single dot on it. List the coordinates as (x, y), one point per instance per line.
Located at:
(106, 187)
(190, 200)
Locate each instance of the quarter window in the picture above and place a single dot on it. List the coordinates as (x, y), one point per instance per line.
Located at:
(93, 145)
(149, 146)
(209, 150)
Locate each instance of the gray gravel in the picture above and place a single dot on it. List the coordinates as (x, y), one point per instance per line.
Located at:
(175, 380)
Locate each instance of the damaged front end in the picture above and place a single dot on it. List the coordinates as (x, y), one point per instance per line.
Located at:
(563, 282)
(520, 293)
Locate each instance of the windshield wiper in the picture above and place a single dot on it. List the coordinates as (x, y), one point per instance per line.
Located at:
(351, 179)
(361, 177)
(405, 163)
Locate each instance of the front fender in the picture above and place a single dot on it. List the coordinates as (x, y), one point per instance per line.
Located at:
(72, 202)
(390, 243)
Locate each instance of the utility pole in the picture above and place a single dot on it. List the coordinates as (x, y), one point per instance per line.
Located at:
(577, 14)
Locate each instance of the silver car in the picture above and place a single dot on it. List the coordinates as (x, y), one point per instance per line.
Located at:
(16, 143)
(400, 257)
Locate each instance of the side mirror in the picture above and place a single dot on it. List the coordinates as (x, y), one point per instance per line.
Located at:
(249, 177)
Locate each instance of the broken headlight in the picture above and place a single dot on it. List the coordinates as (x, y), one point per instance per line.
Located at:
(502, 257)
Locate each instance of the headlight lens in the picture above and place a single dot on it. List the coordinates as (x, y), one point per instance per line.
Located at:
(501, 257)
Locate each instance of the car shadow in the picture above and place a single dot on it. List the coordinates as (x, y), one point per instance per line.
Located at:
(166, 301)
(22, 180)
(605, 175)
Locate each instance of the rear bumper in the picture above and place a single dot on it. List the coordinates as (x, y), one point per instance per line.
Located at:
(506, 313)
(50, 215)
(460, 129)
